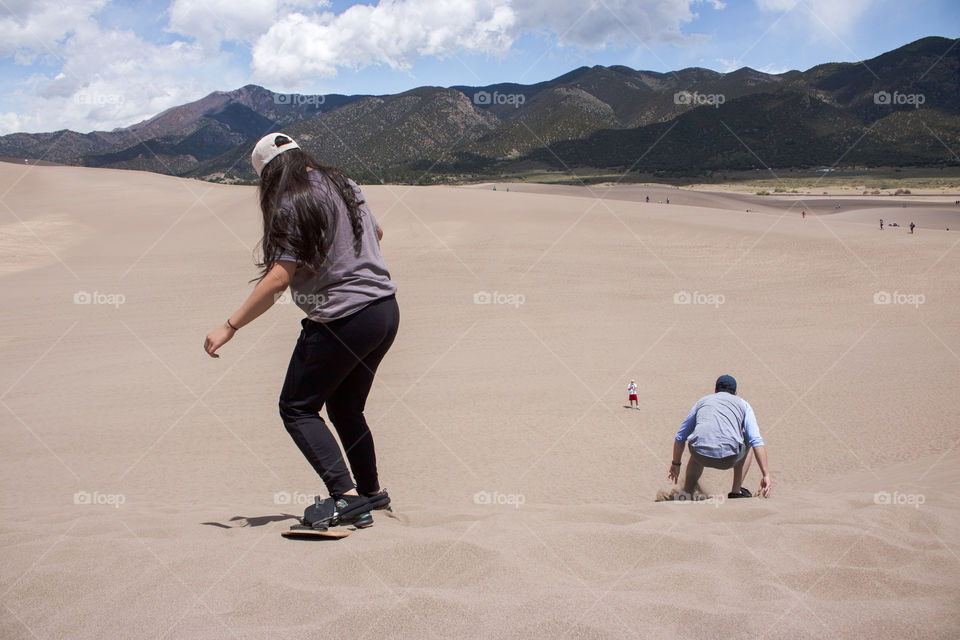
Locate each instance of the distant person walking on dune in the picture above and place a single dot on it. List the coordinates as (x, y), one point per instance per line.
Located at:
(881, 224)
(320, 238)
(803, 215)
(632, 394)
(911, 227)
(720, 431)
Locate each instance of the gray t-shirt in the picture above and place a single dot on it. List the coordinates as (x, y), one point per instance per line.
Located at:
(350, 278)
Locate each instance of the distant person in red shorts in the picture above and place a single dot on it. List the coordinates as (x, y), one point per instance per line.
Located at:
(632, 394)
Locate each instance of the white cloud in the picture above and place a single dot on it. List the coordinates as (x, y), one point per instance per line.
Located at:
(211, 22)
(726, 66)
(114, 77)
(598, 24)
(9, 123)
(35, 27)
(823, 17)
(300, 46)
(103, 78)
(773, 69)
(394, 33)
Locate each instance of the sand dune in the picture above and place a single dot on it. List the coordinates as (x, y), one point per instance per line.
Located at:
(932, 211)
(36, 243)
(144, 484)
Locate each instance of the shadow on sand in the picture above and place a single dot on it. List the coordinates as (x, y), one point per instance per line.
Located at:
(256, 521)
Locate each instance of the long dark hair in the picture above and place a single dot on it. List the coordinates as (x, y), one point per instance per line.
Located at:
(303, 232)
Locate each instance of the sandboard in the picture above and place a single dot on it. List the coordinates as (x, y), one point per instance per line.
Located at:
(302, 532)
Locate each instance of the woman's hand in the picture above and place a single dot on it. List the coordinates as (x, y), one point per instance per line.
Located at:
(216, 339)
(262, 297)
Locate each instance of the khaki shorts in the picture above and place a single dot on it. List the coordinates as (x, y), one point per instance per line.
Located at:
(722, 463)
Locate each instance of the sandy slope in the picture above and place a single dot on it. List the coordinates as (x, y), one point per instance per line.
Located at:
(519, 405)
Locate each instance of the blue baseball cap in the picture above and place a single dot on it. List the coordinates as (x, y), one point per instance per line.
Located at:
(726, 383)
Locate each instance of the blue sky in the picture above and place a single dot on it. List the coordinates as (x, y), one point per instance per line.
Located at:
(100, 64)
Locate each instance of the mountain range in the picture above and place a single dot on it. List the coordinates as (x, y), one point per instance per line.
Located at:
(901, 108)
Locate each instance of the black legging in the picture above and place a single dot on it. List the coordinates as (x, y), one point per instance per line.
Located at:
(334, 364)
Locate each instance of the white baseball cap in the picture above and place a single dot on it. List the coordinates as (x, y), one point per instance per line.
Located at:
(267, 149)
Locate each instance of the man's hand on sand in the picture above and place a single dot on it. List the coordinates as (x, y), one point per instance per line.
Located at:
(216, 339)
(674, 473)
(764, 489)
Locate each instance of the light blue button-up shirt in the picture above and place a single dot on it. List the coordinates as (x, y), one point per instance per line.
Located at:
(716, 425)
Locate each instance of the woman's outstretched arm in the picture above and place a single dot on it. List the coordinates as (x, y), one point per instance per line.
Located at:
(260, 299)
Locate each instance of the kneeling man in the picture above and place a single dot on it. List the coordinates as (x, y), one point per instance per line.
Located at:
(721, 430)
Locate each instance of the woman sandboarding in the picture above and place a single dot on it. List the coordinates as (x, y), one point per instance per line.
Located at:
(321, 240)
